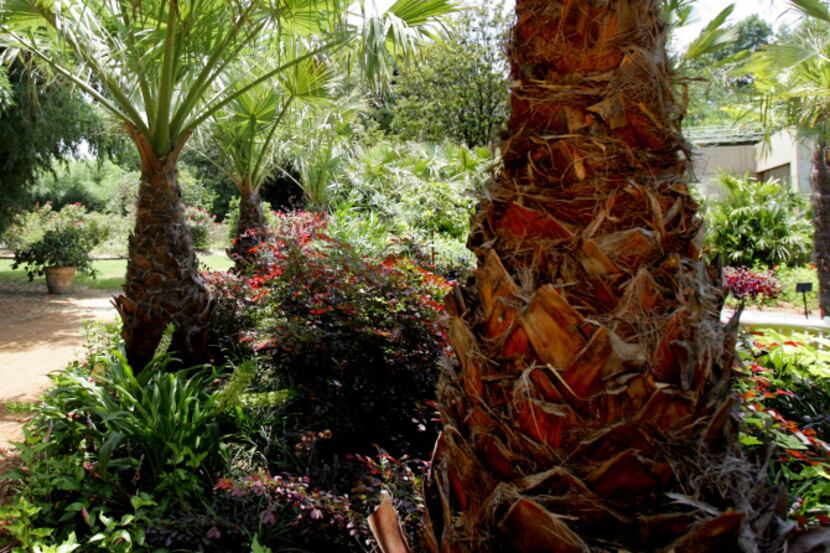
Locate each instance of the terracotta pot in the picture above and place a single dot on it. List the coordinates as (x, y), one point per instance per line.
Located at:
(59, 279)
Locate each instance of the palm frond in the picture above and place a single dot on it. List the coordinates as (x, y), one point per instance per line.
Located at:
(812, 8)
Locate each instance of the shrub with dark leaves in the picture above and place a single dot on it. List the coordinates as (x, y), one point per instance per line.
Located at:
(359, 340)
(283, 511)
(755, 286)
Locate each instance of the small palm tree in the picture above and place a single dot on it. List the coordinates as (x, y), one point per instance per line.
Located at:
(246, 132)
(155, 65)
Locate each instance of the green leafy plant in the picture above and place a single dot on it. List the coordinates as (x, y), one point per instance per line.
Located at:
(69, 247)
(790, 277)
(200, 223)
(108, 448)
(758, 223)
(785, 392)
(48, 238)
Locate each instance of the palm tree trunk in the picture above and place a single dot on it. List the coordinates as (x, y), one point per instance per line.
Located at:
(163, 285)
(820, 178)
(251, 227)
(591, 410)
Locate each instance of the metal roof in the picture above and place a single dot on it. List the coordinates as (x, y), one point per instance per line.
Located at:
(723, 136)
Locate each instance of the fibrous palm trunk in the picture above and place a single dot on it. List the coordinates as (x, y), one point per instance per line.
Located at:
(163, 285)
(591, 408)
(821, 221)
(251, 227)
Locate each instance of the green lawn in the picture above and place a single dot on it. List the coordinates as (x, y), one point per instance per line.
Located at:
(110, 272)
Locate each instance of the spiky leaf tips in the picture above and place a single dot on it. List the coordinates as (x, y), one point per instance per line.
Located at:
(590, 409)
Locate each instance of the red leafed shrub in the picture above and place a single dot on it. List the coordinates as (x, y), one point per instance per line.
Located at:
(358, 340)
(290, 513)
(285, 512)
(756, 286)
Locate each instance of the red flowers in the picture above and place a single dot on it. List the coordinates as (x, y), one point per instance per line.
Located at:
(745, 283)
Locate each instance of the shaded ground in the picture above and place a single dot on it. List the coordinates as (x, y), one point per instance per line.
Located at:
(40, 333)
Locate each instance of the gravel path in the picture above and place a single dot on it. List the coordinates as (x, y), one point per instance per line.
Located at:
(40, 333)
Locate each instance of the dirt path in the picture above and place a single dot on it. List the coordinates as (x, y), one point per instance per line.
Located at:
(39, 334)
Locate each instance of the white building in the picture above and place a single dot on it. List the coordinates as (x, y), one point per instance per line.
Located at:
(744, 152)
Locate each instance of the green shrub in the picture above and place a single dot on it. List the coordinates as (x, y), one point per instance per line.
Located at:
(118, 229)
(200, 223)
(412, 199)
(89, 183)
(194, 191)
(458, 91)
(108, 449)
(789, 277)
(418, 188)
(758, 223)
(68, 236)
(27, 227)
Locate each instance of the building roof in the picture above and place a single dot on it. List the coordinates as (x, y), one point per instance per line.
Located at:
(729, 135)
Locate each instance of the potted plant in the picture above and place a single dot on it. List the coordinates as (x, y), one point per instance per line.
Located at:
(59, 254)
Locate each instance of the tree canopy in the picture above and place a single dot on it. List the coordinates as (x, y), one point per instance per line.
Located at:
(459, 89)
(41, 122)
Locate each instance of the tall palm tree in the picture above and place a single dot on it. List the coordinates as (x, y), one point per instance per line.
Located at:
(591, 408)
(794, 81)
(153, 64)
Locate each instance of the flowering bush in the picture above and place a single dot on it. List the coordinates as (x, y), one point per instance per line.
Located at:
(785, 392)
(756, 286)
(200, 223)
(359, 340)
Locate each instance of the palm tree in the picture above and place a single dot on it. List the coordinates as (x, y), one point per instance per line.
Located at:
(153, 65)
(591, 408)
(794, 83)
(245, 132)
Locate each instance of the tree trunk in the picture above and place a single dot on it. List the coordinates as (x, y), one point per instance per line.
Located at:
(163, 285)
(820, 178)
(591, 407)
(251, 227)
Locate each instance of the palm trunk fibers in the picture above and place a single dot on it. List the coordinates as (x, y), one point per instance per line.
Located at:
(250, 229)
(820, 178)
(163, 285)
(590, 409)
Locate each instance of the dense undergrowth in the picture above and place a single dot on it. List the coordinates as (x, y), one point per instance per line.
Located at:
(326, 362)
(319, 398)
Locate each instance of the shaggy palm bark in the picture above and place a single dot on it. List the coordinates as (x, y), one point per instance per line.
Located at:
(251, 227)
(821, 220)
(591, 410)
(163, 285)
